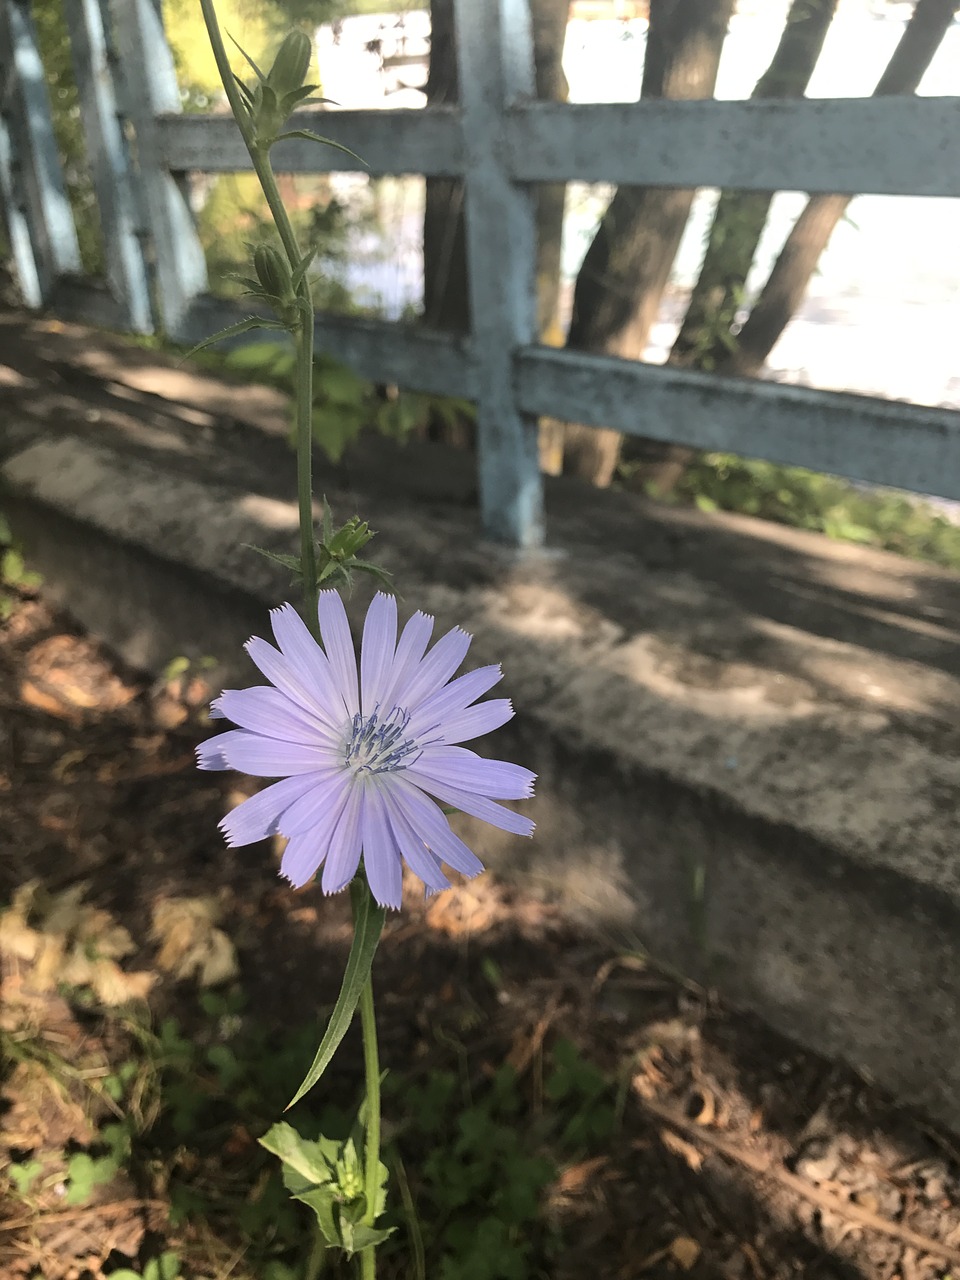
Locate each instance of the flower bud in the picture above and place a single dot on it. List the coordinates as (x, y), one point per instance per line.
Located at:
(273, 272)
(291, 64)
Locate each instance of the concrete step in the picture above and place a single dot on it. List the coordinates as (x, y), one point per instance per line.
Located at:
(747, 737)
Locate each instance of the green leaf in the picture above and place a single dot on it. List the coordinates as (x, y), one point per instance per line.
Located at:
(24, 1175)
(259, 74)
(12, 567)
(263, 359)
(166, 1267)
(300, 270)
(315, 137)
(369, 918)
(176, 667)
(309, 1159)
(84, 1173)
(289, 562)
(291, 100)
(231, 331)
(334, 426)
(340, 384)
(322, 1200)
(355, 1239)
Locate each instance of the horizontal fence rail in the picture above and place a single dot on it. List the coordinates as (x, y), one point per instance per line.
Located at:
(500, 141)
(865, 146)
(863, 438)
(882, 146)
(380, 350)
(428, 142)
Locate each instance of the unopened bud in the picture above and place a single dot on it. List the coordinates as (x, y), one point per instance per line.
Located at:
(273, 272)
(291, 64)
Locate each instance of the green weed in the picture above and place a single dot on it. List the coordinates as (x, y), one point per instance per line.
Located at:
(883, 518)
(14, 574)
(344, 403)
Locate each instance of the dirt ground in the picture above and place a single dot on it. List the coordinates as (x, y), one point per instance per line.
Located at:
(736, 1156)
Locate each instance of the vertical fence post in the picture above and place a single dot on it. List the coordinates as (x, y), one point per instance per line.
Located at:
(107, 151)
(37, 203)
(14, 211)
(147, 87)
(495, 59)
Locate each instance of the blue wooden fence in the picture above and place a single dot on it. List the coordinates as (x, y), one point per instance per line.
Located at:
(501, 142)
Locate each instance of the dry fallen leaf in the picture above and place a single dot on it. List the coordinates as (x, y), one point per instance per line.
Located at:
(685, 1150)
(574, 1179)
(191, 946)
(685, 1252)
(67, 940)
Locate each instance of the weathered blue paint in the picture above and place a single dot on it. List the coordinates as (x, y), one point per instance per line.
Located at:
(33, 154)
(107, 153)
(495, 54)
(146, 84)
(401, 141)
(883, 146)
(864, 438)
(18, 227)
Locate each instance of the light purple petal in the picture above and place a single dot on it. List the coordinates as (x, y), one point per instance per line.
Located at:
(271, 713)
(377, 651)
(308, 659)
(430, 823)
(435, 669)
(421, 861)
(326, 795)
(381, 856)
(338, 643)
(458, 767)
(343, 857)
(263, 757)
(475, 721)
(476, 806)
(414, 639)
(452, 698)
(282, 673)
(258, 817)
(308, 847)
(210, 754)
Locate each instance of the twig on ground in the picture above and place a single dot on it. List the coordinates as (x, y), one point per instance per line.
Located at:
(763, 1166)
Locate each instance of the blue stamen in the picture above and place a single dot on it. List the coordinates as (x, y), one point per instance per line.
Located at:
(377, 744)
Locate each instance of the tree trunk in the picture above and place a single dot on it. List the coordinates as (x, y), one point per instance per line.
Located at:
(445, 298)
(741, 216)
(627, 265)
(445, 284)
(785, 289)
(549, 31)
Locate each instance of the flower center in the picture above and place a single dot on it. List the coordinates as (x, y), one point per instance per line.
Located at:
(378, 744)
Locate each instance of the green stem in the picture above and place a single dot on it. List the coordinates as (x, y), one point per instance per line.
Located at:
(304, 373)
(308, 561)
(371, 1065)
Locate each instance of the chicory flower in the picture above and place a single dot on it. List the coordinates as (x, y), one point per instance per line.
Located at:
(360, 754)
